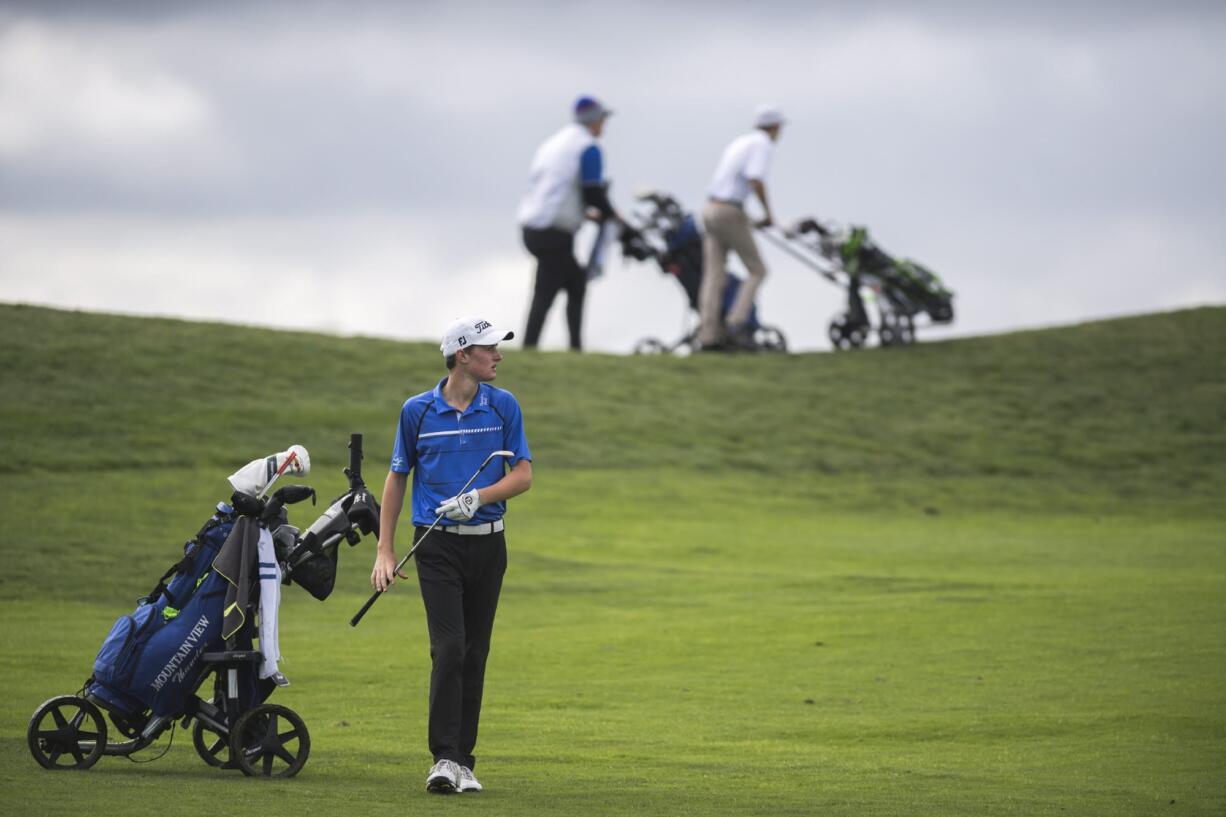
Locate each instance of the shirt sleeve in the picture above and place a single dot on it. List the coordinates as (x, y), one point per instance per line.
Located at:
(404, 451)
(591, 166)
(758, 162)
(513, 437)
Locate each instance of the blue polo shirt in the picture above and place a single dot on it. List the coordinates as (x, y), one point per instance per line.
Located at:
(444, 447)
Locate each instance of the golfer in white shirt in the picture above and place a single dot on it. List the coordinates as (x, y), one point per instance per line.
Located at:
(742, 169)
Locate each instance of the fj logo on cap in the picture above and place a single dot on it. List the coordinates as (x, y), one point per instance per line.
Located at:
(463, 341)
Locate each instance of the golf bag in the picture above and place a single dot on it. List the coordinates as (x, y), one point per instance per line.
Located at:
(200, 619)
(669, 235)
(146, 660)
(901, 290)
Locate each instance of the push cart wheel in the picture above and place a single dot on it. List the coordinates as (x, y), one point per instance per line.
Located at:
(906, 331)
(846, 335)
(212, 746)
(770, 339)
(66, 733)
(649, 346)
(270, 741)
(896, 330)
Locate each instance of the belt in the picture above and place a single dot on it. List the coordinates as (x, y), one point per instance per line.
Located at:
(740, 205)
(483, 529)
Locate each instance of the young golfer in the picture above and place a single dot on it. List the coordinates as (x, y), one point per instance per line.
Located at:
(443, 437)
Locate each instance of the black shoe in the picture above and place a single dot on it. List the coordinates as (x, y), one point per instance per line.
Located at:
(721, 345)
(742, 338)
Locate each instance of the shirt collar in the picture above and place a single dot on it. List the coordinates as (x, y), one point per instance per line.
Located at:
(481, 400)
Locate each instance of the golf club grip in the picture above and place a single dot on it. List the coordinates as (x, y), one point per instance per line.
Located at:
(370, 602)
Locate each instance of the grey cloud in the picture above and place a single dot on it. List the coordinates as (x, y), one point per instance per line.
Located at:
(1020, 148)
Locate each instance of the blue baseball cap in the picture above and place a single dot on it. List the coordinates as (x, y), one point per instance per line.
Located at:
(588, 110)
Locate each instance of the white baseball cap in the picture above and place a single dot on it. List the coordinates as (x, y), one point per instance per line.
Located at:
(768, 116)
(465, 332)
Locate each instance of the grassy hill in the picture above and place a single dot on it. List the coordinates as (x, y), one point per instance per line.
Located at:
(979, 576)
(1135, 407)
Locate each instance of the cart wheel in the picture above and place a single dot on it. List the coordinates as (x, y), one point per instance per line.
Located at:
(649, 346)
(896, 330)
(270, 741)
(67, 732)
(212, 746)
(906, 331)
(770, 339)
(846, 335)
(837, 339)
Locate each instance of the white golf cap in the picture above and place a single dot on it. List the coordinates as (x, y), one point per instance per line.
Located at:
(768, 116)
(465, 332)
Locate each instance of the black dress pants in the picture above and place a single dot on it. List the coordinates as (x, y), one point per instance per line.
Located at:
(556, 270)
(460, 579)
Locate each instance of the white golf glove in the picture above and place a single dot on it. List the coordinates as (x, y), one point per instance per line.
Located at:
(460, 508)
(256, 475)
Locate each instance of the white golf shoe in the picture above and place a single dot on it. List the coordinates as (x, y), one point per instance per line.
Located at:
(444, 777)
(468, 781)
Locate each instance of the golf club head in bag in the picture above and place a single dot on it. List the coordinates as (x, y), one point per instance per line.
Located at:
(273, 515)
(257, 476)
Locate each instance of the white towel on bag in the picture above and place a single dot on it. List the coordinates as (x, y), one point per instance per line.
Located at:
(270, 603)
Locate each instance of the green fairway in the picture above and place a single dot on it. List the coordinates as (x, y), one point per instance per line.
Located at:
(978, 577)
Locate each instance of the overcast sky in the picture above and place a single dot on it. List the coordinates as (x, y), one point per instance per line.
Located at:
(355, 167)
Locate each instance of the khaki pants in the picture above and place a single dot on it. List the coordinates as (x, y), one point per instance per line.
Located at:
(726, 227)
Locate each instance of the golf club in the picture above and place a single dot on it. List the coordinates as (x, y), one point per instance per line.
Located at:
(353, 622)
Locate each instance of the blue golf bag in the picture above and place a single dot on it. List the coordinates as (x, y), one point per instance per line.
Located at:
(150, 659)
(668, 234)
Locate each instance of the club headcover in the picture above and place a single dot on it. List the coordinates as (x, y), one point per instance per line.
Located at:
(256, 475)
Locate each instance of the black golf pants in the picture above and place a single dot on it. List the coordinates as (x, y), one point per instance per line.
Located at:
(556, 270)
(460, 579)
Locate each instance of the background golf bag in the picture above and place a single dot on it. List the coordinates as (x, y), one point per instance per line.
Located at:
(903, 289)
(669, 235)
